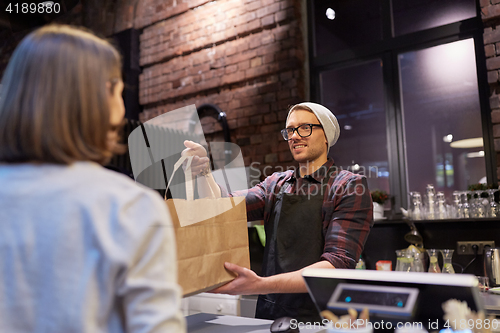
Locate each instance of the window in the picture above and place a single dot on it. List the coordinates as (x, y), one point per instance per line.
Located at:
(440, 104)
(355, 95)
(416, 15)
(408, 89)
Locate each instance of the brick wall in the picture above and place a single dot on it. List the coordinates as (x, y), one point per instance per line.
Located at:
(245, 56)
(490, 12)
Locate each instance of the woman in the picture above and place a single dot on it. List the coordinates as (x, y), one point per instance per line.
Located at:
(82, 249)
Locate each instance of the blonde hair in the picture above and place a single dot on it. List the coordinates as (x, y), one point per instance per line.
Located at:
(54, 98)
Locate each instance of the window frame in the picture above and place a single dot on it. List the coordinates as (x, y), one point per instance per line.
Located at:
(388, 50)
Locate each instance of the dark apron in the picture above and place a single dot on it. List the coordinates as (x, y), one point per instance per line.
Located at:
(294, 240)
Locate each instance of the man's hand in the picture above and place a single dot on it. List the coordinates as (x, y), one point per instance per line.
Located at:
(200, 159)
(246, 283)
(249, 283)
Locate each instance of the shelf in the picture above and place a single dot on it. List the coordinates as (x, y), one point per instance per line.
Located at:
(475, 220)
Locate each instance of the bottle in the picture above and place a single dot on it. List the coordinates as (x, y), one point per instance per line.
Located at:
(430, 199)
(441, 206)
(361, 264)
(417, 211)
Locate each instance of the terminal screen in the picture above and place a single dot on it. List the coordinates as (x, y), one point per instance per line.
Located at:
(385, 298)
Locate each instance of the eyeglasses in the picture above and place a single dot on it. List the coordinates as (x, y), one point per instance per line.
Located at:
(303, 131)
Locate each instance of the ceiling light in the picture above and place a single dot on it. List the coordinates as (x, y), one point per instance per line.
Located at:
(448, 138)
(330, 14)
(347, 127)
(467, 143)
(475, 154)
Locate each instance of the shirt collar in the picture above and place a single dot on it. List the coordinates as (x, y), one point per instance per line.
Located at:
(318, 175)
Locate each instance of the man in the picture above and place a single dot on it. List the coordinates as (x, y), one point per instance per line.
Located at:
(315, 217)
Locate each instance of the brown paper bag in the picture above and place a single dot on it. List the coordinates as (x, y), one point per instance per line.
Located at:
(208, 233)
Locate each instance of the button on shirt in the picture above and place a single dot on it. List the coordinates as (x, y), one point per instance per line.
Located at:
(347, 211)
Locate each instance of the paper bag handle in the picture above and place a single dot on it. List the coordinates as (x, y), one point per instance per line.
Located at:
(189, 178)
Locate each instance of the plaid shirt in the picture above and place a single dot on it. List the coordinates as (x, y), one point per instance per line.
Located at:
(347, 212)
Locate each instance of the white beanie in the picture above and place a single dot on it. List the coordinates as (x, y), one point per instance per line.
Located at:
(325, 117)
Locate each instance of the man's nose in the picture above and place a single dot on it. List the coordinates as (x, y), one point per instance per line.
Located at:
(295, 136)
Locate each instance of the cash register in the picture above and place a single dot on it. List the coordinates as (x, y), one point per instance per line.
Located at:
(391, 296)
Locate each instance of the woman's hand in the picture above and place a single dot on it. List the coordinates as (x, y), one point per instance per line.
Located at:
(200, 160)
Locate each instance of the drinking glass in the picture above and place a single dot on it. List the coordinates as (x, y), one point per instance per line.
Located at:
(418, 264)
(433, 261)
(457, 205)
(441, 206)
(405, 261)
(471, 196)
(447, 265)
(483, 283)
(465, 204)
(493, 206)
(480, 210)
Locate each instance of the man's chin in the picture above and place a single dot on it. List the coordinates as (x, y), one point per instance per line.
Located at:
(304, 158)
(300, 158)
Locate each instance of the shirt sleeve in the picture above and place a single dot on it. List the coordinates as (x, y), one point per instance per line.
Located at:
(350, 222)
(148, 287)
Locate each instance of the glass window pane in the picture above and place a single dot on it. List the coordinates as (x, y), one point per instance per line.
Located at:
(355, 95)
(416, 15)
(441, 108)
(344, 24)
